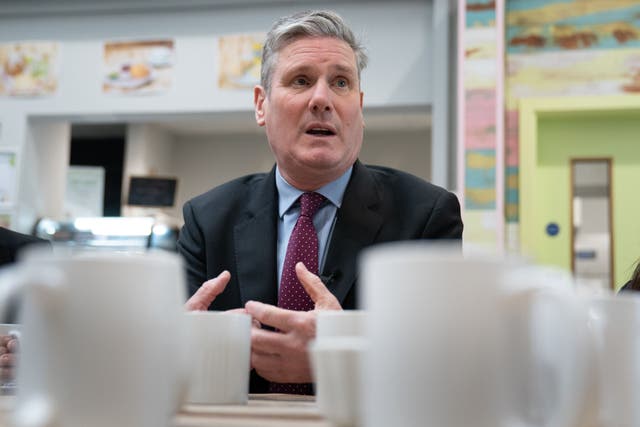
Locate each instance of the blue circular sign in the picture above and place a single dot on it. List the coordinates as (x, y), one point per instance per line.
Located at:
(553, 229)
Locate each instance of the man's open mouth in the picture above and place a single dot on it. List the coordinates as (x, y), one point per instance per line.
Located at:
(320, 132)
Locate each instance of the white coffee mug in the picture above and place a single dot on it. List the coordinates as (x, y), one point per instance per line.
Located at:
(547, 347)
(219, 351)
(336, 356)
(340, 323)
(337, 368)
(615, 324)
(101, 339)
(440, 352)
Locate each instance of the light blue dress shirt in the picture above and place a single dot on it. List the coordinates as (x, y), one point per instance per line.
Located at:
(323, 220)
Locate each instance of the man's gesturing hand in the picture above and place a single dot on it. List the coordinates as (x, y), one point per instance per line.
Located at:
(204, 296)
(282, 356)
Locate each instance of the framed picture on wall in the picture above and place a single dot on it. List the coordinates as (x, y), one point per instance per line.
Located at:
(8, 177)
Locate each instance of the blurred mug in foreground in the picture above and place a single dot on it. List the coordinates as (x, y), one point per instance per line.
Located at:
(94, 342)
(614, 321)
(441, 327)
(219, 352)
(336, 356)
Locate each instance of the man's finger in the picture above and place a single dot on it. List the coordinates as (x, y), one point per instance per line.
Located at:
(267, 342)
(270, 315)
(320, 295)
(254, 322)
(208, 292)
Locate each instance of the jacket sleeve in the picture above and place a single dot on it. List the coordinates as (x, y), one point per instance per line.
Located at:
(445, 221)
(191, 246)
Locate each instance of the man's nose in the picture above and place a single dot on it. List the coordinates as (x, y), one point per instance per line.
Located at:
(320, 98)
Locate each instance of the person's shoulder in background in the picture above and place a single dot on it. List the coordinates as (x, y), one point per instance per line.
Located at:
(630, 286)
(11, 242)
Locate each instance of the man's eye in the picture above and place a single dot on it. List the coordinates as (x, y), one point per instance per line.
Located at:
(342, 83)
(300, 81)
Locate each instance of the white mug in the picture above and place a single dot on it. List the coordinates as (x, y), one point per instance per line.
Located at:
(336, 356)
(101, 339)
(340, 323)
(440, 352)
(337, 367)
(547, 346)
(614, 321)
(219, 351)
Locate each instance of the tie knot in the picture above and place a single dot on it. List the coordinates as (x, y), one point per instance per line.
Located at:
(309, 203)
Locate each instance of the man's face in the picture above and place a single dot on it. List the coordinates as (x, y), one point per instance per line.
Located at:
(313, 114)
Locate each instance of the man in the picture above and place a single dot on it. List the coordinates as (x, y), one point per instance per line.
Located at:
(238, 238)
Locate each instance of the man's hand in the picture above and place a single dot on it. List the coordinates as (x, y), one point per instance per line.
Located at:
(282, 356)
(204, 296)
(8, 356)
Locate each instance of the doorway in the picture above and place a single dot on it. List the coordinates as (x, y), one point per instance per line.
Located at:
(591, 249)
(102, 146)
(555, 131)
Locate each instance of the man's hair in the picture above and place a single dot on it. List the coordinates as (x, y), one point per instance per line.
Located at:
(310, 23)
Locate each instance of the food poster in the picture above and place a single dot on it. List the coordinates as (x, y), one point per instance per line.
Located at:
(138, 67)
(239, 60)
(29, 68)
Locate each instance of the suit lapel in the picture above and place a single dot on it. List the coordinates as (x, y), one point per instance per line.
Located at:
(357, 224)
(255, 242)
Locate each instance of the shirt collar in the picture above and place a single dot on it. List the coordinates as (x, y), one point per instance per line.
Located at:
(288, 194)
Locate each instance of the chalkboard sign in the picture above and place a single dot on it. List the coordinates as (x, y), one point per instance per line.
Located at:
(147, 191)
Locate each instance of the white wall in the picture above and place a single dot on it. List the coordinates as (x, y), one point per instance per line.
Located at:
(398, 36)
(149, 151)
(43, 173)
(204, 162)
(408, 150)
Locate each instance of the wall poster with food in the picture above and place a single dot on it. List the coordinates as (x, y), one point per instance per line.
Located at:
(239, 59)
(138, 67)
(29, 68)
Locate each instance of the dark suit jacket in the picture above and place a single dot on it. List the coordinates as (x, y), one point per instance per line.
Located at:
(11, 242)
(234, 227)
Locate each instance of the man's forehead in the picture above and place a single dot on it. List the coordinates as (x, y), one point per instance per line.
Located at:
(303, 52)
(317, 44)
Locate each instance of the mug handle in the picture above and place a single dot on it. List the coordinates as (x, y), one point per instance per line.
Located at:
(561, 363)
(47, 282)
(37, 410)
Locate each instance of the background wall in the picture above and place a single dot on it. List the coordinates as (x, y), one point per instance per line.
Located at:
(556, 139)
(203, 162)
(395, 79)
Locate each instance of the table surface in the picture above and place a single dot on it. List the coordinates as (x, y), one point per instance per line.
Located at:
(263, 410)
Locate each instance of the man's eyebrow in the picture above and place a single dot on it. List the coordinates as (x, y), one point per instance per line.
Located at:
(344, 69)
(304, 68)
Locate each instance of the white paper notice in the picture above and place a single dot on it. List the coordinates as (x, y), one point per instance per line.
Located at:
(85, 191)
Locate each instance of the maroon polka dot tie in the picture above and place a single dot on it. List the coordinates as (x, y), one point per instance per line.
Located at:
(302, 247)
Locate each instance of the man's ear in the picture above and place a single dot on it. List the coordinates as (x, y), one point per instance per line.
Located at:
(259, 97)
(361, 106)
